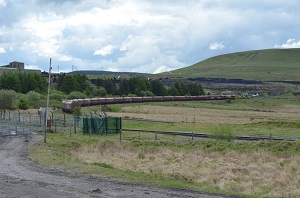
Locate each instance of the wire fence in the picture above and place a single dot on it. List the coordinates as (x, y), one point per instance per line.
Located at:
(20, 125)
(25, 122)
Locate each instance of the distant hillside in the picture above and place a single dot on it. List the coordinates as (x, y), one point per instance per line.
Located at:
(97, 72)
(263, 65)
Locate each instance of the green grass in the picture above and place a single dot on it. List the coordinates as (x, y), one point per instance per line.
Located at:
(275, 128)
(57, 153)
(264, 65)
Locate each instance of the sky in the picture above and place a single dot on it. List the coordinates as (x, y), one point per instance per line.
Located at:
(140, 35)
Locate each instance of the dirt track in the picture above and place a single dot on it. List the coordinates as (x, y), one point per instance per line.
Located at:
(20, 177)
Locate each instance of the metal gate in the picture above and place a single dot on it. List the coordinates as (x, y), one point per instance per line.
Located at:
(21, 124)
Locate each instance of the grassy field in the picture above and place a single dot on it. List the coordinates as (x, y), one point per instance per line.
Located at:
(264, 65)
(255, 169)
(243, 117)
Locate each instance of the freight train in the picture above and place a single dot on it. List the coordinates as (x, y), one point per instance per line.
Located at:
(69, 105)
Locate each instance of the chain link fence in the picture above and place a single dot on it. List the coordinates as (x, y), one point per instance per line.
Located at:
(17, 124)
(24, 123)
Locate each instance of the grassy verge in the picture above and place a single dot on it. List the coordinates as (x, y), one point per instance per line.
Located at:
(275, 128)
(262, 169)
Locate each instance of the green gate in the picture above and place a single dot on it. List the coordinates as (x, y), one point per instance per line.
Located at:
(104, 125)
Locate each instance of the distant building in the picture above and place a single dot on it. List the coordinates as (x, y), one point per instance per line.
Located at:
(17, 67)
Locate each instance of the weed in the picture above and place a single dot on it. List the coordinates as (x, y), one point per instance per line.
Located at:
(223, 133)
(141, 155)
(103, 165)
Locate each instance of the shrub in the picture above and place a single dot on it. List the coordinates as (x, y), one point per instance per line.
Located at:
(33, 99)
(56, 96)
(76, 95)
(223, 133)
(104, 165)
(23, 104)
(114, 108)
(7, 98)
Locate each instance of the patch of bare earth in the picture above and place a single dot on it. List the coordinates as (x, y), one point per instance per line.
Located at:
(257, 173)
(208, 116)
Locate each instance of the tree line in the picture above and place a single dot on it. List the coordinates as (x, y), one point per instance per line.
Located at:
(23, 82)
(28, 90)
(138, 86)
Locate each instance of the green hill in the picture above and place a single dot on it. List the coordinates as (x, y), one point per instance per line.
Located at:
(264, 65)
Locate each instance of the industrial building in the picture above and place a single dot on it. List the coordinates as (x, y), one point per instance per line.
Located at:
(17, 67)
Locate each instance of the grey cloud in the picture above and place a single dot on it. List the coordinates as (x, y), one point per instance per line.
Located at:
(154, 35)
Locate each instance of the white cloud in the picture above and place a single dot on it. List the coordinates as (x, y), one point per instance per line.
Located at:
(216, 46)
(291, 43)
(161, 69)
(2, 50)
(125, 35)
(32, 67)
(3, 3)
(104, 51)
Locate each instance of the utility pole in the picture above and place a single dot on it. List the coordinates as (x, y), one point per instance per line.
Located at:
(46, 121)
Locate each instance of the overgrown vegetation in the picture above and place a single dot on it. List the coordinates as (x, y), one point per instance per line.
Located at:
(7, 99)
(252, 168)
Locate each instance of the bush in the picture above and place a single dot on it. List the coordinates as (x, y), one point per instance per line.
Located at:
(223, 133)
(7, 98)
(23, 104)
(114, 108)
(56, 96)
(76, 95)
(33, 99)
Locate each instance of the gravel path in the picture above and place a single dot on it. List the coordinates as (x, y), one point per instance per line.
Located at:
(20, 177)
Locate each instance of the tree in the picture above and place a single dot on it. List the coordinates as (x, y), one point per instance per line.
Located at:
(158, 88)
(10, 81)
(172, 91)
(137, 85)
(195, 89)
(68, 84)
(80, 80)
(101, 91)
(124, 88)
(7, 98)
(110, 86)
(33, 99)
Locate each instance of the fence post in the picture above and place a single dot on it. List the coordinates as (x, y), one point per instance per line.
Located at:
(52, 116)
(64, 120)
(23, 126)
(155, 135)
(192, 135)
(16, 125)
(121, 135)
(19, 115)
(74, 124)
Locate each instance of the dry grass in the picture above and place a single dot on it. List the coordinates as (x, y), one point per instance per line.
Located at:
(258, 173)
(208, 116)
